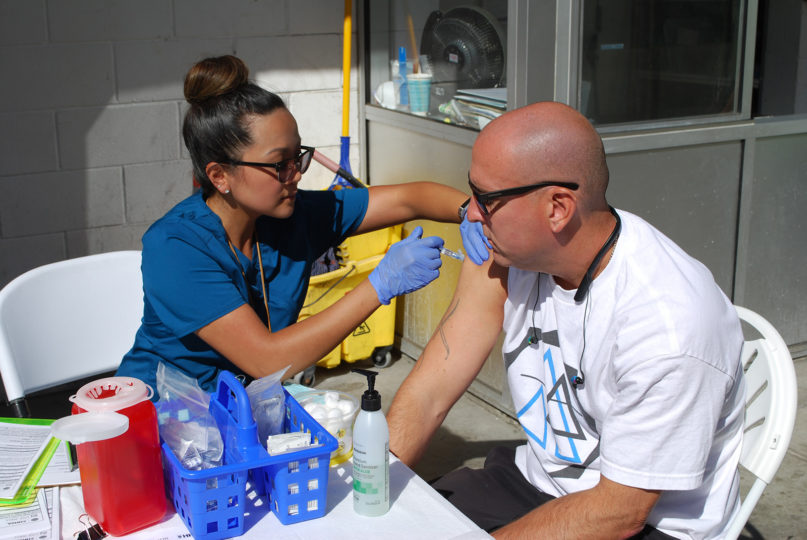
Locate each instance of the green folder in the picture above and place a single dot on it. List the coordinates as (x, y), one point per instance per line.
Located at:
(27, 492)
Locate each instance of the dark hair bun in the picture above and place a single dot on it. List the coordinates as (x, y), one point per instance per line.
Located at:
(213, 77)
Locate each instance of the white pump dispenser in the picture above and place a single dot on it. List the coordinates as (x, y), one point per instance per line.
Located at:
(370, 453)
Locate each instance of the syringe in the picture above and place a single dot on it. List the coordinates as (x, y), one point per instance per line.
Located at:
(452, 254)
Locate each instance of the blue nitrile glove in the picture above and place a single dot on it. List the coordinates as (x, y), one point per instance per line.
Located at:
(408, 265)
(474, 240)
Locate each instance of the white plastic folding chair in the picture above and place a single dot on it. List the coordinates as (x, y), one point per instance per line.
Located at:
(770, 409)
(68, 320)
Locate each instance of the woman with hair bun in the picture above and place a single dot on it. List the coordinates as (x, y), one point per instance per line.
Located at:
(225, 272)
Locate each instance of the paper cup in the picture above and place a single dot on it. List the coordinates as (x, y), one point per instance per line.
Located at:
(419, 85)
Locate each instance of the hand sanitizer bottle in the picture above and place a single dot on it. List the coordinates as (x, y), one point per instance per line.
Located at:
(370, 453)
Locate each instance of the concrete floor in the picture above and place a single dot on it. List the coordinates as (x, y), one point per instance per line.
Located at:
(473, 427)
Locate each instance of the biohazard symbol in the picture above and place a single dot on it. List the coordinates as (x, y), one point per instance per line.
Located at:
(361, 330)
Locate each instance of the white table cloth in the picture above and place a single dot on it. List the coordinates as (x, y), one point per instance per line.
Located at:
(416, 511)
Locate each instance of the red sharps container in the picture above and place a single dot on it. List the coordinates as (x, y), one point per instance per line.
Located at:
(115, 428)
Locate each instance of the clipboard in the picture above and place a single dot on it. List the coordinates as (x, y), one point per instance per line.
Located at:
(27, 492)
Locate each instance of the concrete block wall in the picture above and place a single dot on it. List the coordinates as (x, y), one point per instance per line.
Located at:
(91, 108)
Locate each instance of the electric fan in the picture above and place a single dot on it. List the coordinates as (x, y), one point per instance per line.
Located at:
(466, 49)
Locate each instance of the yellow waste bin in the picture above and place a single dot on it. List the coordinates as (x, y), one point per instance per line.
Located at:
(356, 248)
(359, 255)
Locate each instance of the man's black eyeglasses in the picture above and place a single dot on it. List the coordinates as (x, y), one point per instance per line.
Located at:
(284, 168)
(483, 199)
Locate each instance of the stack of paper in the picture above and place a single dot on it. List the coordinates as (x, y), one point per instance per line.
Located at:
(493, 100)
(38, 520)
(476, 107)
(26, 449)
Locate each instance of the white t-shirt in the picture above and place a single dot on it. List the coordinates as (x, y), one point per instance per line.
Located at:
(661, 403)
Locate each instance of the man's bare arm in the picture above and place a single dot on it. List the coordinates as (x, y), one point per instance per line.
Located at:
(608, 510)
(452, 358)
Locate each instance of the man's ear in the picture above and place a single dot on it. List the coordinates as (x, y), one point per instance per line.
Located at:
(219, 176)
(562, 209)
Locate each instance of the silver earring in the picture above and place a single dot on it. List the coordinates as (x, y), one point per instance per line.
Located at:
(226, 191)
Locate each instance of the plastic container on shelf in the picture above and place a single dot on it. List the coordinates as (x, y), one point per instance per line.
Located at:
(212, 501)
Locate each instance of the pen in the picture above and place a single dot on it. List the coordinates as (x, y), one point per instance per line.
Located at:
(452, 254)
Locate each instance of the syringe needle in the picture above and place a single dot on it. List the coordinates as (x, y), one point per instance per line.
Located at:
(452, 254)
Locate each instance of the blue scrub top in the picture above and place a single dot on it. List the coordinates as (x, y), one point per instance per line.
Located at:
(190, 277)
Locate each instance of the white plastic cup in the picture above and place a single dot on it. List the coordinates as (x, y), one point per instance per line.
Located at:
(419, 89)
(385, 95)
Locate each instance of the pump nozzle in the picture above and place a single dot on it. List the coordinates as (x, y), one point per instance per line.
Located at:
(369, 374)
(371, 399)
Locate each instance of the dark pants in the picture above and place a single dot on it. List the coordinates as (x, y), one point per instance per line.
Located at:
(498, 494)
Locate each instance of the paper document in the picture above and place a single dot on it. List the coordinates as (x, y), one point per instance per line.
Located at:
(494, 94)
(54, 512)
(20, 447)
(28, 522)
(58, 472)
(493, 97)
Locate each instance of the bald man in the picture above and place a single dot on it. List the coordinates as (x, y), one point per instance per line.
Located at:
(622, 354)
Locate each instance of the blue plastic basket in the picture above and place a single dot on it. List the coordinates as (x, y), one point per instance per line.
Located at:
(211, 502)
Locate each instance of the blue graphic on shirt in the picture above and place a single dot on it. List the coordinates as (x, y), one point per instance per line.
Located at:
(557, 413)
(538, 397)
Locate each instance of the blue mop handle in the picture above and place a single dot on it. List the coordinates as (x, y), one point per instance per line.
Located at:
(344, 154)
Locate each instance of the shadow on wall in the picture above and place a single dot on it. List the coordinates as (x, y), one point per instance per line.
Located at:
(97, 155)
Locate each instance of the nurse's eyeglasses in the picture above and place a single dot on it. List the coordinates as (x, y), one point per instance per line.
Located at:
(484, 198)
(284, 169)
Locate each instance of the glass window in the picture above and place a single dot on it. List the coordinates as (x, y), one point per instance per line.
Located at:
(780, 74)
(441, 60)
(646, 60)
